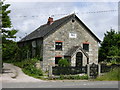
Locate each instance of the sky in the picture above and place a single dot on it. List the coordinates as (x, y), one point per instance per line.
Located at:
(28, 15)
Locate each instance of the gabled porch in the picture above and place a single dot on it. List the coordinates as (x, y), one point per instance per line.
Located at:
(77, 56)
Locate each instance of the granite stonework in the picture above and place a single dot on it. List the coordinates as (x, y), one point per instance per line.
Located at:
(72, 33)
(62, 34)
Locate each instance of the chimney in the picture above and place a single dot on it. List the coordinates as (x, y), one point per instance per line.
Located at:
(50, 21)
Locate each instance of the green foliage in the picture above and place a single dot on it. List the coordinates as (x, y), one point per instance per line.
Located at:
(25, 52)
(63, 63)
(9, 51)
(32, 71)
(110, 47)
(110, 76)
(6, 23)
(9, 47)
(26, 62)
(39, 58)
(113, 61)
(73, 77)
(29, 67)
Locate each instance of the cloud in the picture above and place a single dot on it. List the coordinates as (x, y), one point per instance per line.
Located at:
(62, 0)
(97, 22)
(21, 15)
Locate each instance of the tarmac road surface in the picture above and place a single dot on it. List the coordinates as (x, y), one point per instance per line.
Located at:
(61, 84)
(13, 77)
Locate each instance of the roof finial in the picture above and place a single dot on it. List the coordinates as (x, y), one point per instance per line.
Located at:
(74, 12)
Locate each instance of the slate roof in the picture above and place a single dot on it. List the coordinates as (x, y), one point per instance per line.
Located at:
(71, 51)
(46, 29)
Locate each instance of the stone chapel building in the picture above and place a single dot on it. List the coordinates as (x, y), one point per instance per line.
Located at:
(67, 37)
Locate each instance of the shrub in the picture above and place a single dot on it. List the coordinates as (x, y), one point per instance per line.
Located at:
(32, 71)
(29, 68)
(39, 58)
(63, 63)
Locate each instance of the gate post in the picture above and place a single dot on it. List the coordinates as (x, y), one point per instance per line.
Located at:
(93, 70)
(88, 70)
(49, 71)
(99, 69)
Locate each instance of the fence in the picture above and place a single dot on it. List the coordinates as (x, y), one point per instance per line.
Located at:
(105, 68)
(69, 70)
(93, 70)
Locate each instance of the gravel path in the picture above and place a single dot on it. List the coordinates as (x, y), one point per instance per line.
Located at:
(13, 73)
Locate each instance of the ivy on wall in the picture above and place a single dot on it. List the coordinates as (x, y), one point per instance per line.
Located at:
(27, 51)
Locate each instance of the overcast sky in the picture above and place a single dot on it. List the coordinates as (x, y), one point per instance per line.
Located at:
(29, 15)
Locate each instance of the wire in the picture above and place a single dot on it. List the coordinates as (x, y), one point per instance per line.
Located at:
(102, 11)
(53, 15)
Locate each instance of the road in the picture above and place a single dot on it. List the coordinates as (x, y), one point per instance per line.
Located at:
(61, 84)
(13, 77)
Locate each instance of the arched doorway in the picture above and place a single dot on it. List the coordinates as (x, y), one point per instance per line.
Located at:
(79, 59)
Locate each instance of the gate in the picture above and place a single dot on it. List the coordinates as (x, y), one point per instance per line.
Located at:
(93, 70)
(69, 70)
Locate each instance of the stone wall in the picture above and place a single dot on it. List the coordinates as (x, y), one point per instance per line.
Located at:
(38, 50)
(62, 34)
(33, 51)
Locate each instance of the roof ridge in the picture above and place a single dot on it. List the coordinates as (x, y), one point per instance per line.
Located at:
(65, 17)
(57, 20)
(42, 27)
(45, 29)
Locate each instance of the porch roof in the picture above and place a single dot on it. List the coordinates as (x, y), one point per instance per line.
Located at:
(74, 49)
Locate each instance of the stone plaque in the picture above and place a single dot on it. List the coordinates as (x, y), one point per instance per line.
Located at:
(72, 35)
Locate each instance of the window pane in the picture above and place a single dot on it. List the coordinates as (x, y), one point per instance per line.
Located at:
(58, 45)
(86, 47)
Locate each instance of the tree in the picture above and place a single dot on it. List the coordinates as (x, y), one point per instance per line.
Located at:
(8, 46)
(110, 47)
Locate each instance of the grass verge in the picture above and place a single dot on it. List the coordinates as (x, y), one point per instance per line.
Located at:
(113, 75)
(71, 77)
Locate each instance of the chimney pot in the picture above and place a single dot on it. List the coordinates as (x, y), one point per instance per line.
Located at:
(50, 21)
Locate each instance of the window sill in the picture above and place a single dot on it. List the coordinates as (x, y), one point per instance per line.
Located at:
(86, 50)
(58, 50)
(56, 65)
